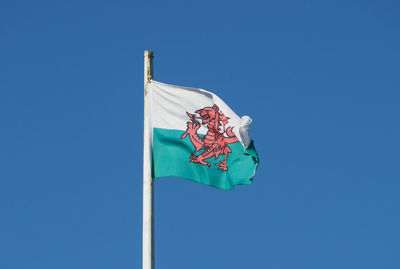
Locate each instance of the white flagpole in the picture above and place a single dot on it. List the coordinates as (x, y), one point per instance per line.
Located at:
(148, 227)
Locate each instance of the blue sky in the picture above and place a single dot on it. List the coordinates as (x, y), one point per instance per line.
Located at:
(319, 78)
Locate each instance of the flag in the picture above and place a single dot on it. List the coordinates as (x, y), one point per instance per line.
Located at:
(194, 135)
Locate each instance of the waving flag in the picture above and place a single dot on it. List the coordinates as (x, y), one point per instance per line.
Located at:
(196, 136)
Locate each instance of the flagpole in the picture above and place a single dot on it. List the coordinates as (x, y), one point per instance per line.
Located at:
(148, 189)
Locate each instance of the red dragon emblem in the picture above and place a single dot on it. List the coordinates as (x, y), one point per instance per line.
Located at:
(214, 143)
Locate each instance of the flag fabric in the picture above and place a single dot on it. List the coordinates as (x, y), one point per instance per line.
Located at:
(196, 136)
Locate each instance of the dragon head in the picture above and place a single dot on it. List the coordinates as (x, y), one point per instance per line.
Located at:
(208, 114)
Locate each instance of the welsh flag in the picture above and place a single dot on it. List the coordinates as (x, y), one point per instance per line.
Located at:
(196, 136)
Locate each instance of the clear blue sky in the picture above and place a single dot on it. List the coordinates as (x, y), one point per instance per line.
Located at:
(319, 78)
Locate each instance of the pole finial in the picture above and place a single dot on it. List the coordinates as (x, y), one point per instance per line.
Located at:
(148, 60)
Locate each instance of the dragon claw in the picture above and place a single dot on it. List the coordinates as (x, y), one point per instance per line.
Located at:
(222, 165)
(198, 159)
